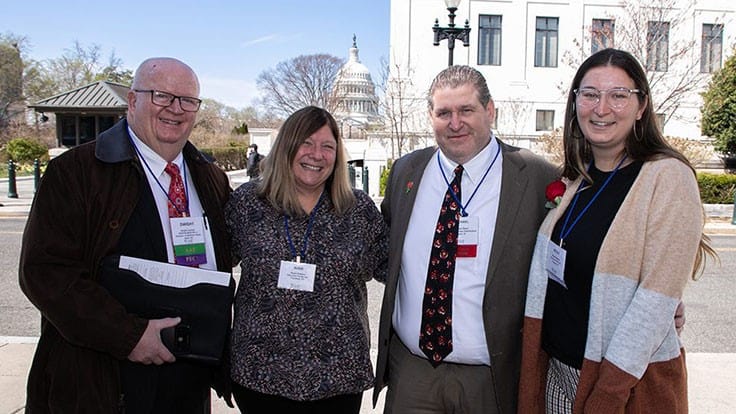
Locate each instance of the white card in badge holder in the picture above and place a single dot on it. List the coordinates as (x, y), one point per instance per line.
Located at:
(187, 234)
(555, 263)
(297, 276)
(467, 236)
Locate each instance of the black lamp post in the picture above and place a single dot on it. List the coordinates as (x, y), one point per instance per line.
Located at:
(451, 32)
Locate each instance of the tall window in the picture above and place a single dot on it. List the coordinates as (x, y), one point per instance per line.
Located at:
(76, 129)
(711, 48)
(601, 34)
(545, 42)
(489, 40)
(658, 41)
(545, 120)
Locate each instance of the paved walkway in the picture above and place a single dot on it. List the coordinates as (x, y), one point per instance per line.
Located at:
(711, 376)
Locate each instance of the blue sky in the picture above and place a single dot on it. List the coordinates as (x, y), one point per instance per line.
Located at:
(228, 43)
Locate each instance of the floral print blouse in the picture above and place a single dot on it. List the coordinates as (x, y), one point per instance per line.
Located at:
(297, 344)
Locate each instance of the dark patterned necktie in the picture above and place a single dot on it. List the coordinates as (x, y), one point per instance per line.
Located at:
(177, 197)
(435, 336)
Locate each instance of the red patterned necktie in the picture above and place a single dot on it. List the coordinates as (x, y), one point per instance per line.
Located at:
(177, 196)
(435, 335)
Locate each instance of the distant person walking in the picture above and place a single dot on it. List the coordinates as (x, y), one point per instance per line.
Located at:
(253, 163)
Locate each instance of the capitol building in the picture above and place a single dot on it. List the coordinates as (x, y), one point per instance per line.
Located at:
(359, 122)
(356, 95)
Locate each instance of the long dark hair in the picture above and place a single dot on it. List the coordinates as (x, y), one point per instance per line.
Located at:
(644, 142)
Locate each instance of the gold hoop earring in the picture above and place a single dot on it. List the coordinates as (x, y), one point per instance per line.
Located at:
(574, 132)
(637, 138)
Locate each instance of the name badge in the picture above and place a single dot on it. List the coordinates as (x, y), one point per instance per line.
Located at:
(187, 234)
(467, 236)
(297, 276)
(555, 263)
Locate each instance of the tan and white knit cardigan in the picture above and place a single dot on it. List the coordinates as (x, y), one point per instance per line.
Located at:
(634, 361)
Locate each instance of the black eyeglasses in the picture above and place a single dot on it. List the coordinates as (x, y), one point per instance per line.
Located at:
(161, 98)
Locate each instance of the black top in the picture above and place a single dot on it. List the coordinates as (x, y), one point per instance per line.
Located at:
(252, 164)
(566, 311)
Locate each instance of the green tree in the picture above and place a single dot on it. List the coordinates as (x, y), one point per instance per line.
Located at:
(114, 72)
(77, 66)
(11, 83)
(719, 108)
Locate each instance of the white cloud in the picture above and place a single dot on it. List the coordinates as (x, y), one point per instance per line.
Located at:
(237, 93)
(261, 39)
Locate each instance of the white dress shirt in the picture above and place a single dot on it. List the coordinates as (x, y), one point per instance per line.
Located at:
(468, 334)
(159, 181)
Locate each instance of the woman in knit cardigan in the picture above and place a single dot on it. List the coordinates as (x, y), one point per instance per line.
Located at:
(612, 257)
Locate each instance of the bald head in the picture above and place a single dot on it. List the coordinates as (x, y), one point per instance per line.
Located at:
(157, 67)
(163, 125)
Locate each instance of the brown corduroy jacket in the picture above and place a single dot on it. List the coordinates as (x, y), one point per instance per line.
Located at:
(83, 203)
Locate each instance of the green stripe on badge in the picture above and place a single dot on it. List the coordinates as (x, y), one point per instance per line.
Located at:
(189, 249)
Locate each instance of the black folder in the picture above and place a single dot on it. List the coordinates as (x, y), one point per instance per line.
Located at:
(204, 309)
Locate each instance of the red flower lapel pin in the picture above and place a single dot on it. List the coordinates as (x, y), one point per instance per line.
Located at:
(554, 193)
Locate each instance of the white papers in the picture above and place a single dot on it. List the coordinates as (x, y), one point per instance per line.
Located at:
(167, 274)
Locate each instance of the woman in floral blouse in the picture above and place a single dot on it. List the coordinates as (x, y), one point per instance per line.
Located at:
(308, 244)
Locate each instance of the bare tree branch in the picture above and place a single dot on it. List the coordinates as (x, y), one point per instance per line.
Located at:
(299, 82)
(400, 105)
(673, 71)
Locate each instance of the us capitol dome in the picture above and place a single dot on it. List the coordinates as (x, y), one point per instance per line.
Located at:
(354, 89)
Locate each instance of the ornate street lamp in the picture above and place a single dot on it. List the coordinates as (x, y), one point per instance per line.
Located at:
(451, 32)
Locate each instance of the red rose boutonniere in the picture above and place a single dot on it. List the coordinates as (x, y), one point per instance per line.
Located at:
(409, 186)
(554, 193)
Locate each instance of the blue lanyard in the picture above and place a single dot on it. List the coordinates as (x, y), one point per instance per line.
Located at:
(565, 231)
(297, 257)
(183, 176)
(452, 192)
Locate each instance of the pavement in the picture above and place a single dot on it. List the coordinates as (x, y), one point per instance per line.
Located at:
(711, 376)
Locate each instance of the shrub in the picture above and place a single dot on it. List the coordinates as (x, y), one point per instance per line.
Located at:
(228, 158)
(384, 179)
(550, 147)
(25, 150)
(696, 152)
(717, 188)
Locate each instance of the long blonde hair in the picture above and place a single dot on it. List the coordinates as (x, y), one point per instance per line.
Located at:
(277, 180)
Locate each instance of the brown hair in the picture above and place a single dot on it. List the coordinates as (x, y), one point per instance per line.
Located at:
(645, 142)
(455, 76)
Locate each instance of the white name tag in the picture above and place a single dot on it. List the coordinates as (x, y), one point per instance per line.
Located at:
(555, 263)
(467, 236)
(297, 276)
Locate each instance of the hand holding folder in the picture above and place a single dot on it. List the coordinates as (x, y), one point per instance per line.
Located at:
(154, 290)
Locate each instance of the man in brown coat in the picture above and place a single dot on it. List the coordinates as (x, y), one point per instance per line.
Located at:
(108, 197)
